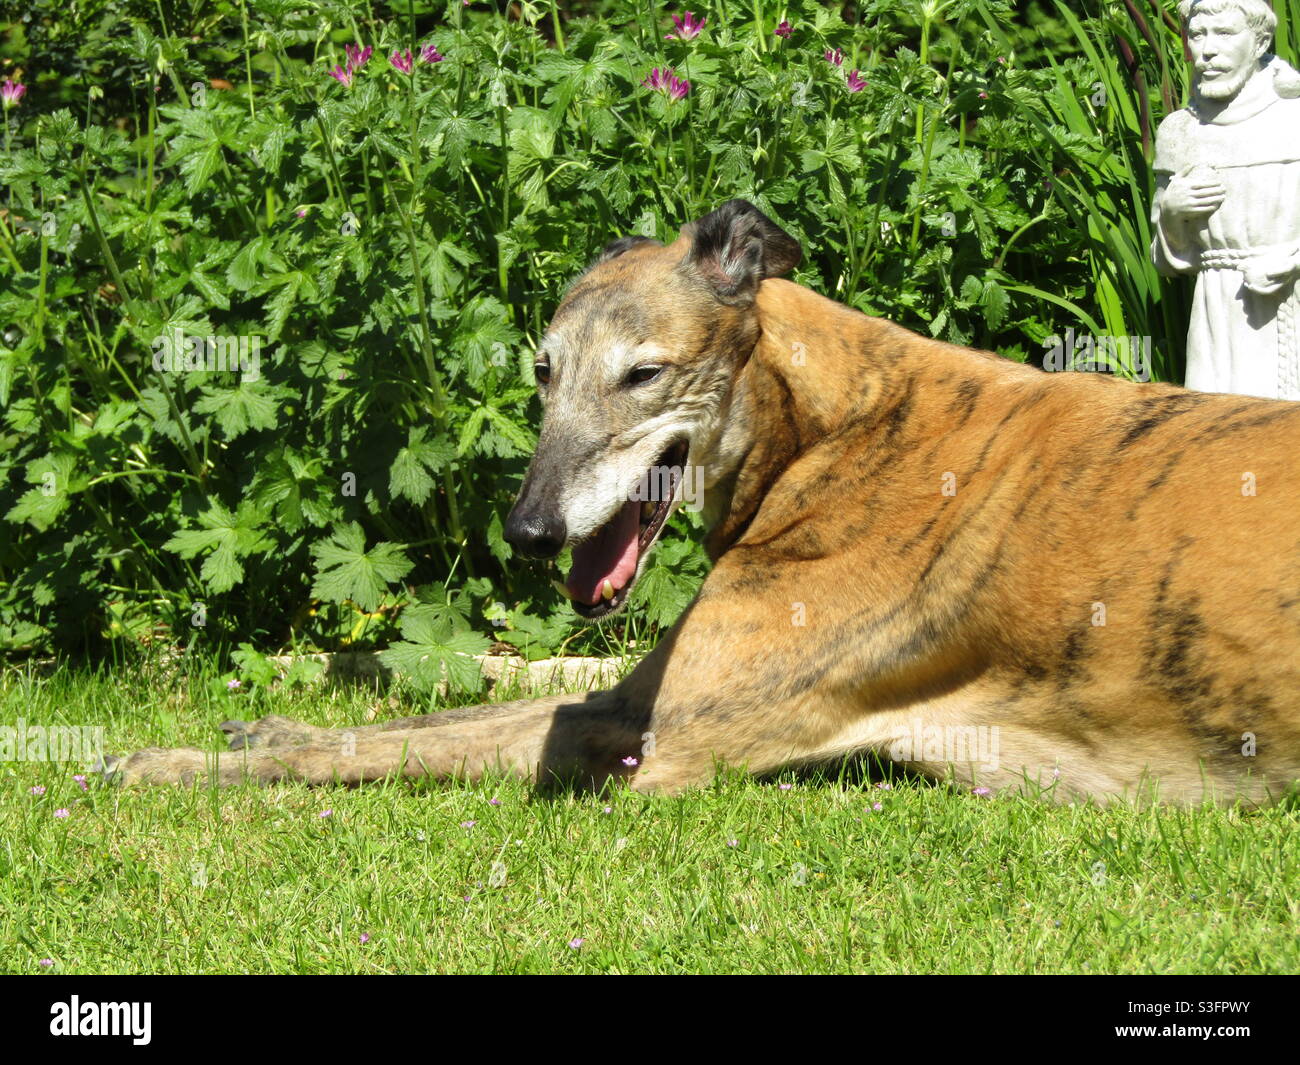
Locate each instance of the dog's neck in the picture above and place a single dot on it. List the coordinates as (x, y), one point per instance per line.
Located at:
(818, 369)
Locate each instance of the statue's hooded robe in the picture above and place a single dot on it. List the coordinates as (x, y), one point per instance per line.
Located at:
(1238, 340)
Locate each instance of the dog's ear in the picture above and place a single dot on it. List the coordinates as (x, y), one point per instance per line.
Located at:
(615, 248)
(735, 247)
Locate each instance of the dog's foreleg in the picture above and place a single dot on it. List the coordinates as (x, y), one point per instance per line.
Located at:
(276, 731)
(575, 738)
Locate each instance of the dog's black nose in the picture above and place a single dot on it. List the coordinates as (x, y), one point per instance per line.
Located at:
(535, 535)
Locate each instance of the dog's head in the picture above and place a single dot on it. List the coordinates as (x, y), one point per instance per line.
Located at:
(635, 374)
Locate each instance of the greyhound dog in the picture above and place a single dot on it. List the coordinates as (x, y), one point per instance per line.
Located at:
(985, 572)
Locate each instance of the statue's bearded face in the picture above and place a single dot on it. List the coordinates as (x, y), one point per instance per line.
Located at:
(1225, 53)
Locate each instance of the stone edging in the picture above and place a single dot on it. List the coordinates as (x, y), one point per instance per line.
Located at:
(544, 675)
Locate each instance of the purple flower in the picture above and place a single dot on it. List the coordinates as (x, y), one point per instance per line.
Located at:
(340, 75)
(665, 81)
(233, 685)
(494, 801)
(856, 84)
(429, 53)
(576, 943)
(687, 28)
(786, 787)
(365, 937)
(885, 785)
(981, 792)
(326, 813)
(80, 780)
(629, 761)
(877, 806)
(301, 212)
(733, 843)
(39, 789)
(61, 812)
(402, 61)
(608, 810)
(836, 57)
(11, 92)
(468, 824)
(783, 30)
(45, 963)
(357, 57)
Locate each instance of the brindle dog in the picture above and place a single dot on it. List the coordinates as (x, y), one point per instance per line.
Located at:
(912, 543)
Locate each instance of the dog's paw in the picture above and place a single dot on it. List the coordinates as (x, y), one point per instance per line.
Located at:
(105, 768)
(270, 731)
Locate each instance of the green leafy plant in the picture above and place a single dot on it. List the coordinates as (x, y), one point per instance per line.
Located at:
(266, 330)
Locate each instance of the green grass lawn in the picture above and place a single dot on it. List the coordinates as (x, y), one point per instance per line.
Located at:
(824, 873)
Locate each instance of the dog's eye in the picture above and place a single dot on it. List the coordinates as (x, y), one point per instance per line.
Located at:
(542, 372)
(642, 374)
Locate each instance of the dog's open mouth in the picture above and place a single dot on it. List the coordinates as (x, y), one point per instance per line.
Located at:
(605, 565)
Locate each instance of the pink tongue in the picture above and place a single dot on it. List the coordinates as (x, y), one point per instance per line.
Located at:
(610, 555)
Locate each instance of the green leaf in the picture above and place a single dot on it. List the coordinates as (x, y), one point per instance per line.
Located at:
(664, 594)
(272, 147)
(38, 508)
(471, 430)
(114, 414)
(250, 405)
(496, 541)
(243, 273)
(995, 302)
(228, 537)
(199, 167)
(519, 441)
(389, 146)
(484, 324)
(346, 570)
(409, 475)
(255, 666)
(279, 305)
(209, 289)
(430, 654)
(55, 478)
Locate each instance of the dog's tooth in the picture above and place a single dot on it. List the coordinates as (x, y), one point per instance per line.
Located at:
(562, 588)
(607, 591)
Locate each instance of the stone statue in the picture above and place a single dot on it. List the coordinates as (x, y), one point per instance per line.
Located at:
(1227, 205)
